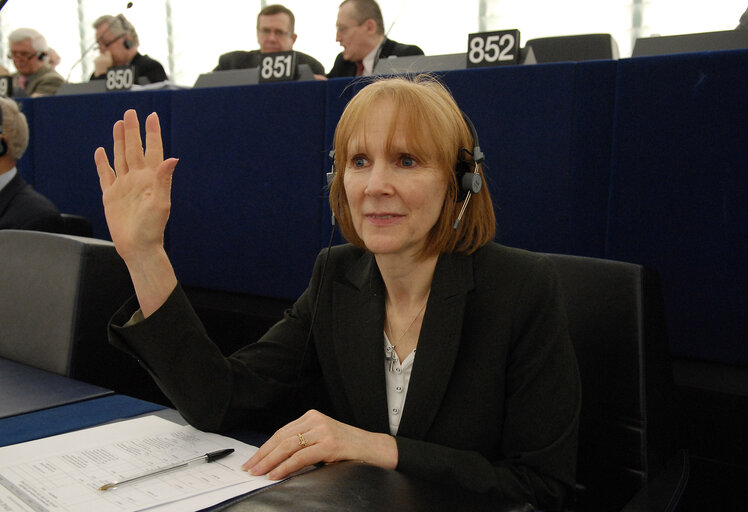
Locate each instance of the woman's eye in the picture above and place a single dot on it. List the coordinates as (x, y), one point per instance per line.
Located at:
(359, 161)
(407, 161)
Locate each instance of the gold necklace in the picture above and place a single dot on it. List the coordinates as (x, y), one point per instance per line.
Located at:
(392, 357)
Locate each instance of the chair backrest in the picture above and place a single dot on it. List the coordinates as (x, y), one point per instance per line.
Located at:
(616, 322)
(574, 48)
(58, 293)
(77, 225)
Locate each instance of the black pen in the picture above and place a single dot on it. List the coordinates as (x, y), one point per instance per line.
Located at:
(208, 457)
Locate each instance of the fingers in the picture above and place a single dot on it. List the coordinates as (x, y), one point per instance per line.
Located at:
(105, 171)
(118, 134)
(154, 149)
(133, 143)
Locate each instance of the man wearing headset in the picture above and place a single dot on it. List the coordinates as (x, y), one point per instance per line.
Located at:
(118, 46)
(33, 76)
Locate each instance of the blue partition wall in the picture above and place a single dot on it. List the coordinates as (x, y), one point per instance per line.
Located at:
(247, 196)
(63, 136)
(679, 193)
(641, 160)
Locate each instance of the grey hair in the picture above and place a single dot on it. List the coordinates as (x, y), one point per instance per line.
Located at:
(119, 25)
(38, 43)
(15, 128)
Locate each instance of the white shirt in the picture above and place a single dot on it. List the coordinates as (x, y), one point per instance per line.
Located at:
(371, 59)
(396, 382)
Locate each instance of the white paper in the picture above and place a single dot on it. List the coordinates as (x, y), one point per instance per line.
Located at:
(63, 473)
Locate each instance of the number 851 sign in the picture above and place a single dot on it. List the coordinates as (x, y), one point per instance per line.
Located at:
(493, 48)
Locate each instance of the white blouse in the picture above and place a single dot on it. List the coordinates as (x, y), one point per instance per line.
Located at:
(397, 378)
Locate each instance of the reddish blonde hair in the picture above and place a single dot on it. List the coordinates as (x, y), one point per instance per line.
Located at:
(436, 130)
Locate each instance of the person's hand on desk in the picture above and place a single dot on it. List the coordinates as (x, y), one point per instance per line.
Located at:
(315, 438)
(137, 201)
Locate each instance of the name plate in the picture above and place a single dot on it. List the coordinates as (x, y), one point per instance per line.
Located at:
(120, 78)
(6, 86)
(277, 67)
(500, 48)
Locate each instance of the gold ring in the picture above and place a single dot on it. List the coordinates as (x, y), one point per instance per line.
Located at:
(302, 441)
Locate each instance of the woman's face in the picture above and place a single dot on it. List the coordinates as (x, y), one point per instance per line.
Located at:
(395, 198)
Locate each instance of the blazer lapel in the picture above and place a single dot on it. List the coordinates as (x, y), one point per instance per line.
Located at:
(438, 344)
(357, 331)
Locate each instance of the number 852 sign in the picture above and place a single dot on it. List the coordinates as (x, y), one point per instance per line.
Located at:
(499, 48)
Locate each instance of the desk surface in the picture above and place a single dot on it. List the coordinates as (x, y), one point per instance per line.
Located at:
(26, 389)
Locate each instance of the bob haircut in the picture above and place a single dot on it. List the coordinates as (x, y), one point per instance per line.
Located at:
(436, 133)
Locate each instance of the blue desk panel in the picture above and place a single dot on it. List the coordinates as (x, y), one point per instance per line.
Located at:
(642, 160)
(679, 191)
(65, 132)
(247, 196)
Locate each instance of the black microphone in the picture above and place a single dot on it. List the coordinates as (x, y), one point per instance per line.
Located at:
(93, 45)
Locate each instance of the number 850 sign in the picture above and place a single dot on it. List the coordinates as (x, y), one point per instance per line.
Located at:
(493, 48)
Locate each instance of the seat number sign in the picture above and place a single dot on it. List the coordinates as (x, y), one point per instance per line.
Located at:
(498, 48)
(277, 67)
(120, 78)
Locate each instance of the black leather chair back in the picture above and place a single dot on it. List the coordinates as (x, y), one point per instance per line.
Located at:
(77, 225)
(616, 322)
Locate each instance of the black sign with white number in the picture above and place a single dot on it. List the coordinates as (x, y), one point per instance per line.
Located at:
(277, 67)
(498, 48)
(120, 78)
(6, 86)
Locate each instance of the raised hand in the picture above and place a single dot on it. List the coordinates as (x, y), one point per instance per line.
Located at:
(315, 437)
(137, 202)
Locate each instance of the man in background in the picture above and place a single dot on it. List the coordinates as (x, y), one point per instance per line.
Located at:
(360, 31)
(21, 207)
(34, 77)
(275, 33)
(118, 46)
(743, 21)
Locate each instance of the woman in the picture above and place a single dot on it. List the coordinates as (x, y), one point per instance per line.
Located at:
(417, 347)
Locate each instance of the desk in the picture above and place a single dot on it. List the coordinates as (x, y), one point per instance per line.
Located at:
(337, 487)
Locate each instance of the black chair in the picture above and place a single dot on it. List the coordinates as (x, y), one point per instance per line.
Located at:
(573, 48)
(77, 225)
(616, 322)
(58, 293)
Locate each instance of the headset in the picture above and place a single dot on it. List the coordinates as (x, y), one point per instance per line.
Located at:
(469, 181)
(127, 30)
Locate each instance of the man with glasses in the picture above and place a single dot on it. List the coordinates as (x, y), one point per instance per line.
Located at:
(118, 46)
(33, 76)
(360, 31)
(275, 33)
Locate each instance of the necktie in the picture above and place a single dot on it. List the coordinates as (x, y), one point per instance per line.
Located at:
(22, 81)
(359, 68)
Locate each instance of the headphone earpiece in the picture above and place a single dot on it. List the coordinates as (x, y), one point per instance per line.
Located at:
(41, 55)
(127, 44)
(468, 179)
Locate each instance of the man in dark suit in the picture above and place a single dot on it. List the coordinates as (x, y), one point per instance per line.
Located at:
(360, 31)
(275, 33)
(21, 207)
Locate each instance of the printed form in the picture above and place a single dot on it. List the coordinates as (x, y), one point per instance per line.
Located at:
(63, 473)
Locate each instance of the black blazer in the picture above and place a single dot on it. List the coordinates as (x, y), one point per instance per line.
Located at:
(243, 60)
(493, 400)
(389, 48)
(22, 207)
